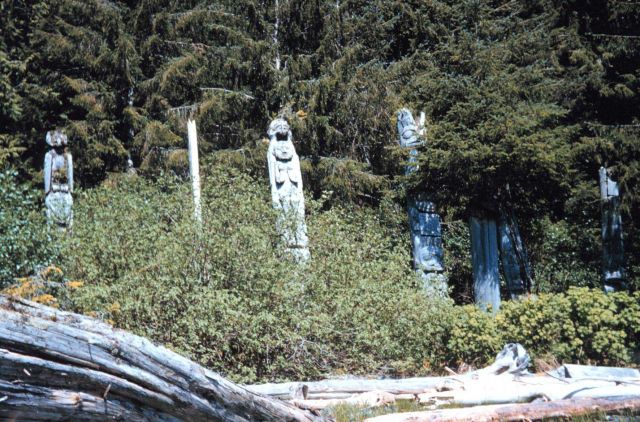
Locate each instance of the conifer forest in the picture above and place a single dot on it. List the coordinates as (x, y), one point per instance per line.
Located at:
(520, 175)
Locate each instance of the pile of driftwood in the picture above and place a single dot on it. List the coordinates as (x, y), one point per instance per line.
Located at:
(504, 390)
(57, 366)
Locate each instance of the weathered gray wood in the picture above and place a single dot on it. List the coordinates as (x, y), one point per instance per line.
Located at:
(26, 403)
(613, 271)
(518, 412)
(348, 387)
(507, 389)
(597, 372)
(512, 359)
(369, 399)
(484, 255)
(63, 356)
(514, 257)
(424, 220)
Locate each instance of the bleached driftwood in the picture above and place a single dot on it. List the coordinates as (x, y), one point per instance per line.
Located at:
(57, 365)
(368, 399)
(500, 389)
(343, 388)
(596, 372)
(506, 380)
(512, 359)
(518, 412)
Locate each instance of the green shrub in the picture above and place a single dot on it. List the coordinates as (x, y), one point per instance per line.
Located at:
(584, 325)
(27, 242)
(565, 255)
(227, 295)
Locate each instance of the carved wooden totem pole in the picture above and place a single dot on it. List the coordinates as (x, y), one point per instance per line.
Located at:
(493, 243)
(424, 221)
(613, 271)
(514, 257)
(58, 181)
(286, 189)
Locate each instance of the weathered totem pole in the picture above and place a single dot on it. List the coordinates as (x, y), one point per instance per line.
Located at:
(514, 257)
(424, 221)
(286, 189)
(613, 271)
(58, 181)
(484, 259)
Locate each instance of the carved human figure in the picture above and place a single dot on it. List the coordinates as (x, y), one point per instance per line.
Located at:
(409, 137)
(286, 188)
(424, 221)
(613, 271)
(58, 180)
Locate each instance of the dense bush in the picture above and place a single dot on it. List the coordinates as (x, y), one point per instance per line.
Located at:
(26, 242)
(226, 295)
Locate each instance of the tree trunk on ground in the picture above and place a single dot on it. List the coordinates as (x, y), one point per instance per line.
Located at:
(518, 412)
(56, 365)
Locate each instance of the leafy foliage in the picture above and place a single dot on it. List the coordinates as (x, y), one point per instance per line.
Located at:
(226, 295)
(27, 242)
(524, 99)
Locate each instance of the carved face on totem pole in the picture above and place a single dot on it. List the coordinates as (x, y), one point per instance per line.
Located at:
(56, 139)
(279, 130)
(408, 129)
(285, 165)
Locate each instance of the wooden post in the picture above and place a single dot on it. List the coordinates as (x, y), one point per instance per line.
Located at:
(484, 255)
(613, 271)
(513, 256)
(194, 168)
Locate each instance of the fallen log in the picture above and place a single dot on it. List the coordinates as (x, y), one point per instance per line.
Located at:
(595, 372)
(517, 412)
(499, 390)
(344, 388)
(506, 380)
(369, 399)
(513, 359)
(57, 365)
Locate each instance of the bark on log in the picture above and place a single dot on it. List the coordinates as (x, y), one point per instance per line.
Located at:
(56, 365)
(518, 412)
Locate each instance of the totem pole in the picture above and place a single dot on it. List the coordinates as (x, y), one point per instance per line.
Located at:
(58, 181)
(613, 271)
(424, 221)
(484, 259)
(514, 257)
(286, 189)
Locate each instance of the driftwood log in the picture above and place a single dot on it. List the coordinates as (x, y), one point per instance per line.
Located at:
(512, 359)
(56, 365)
(506, 381)
(519, 412)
